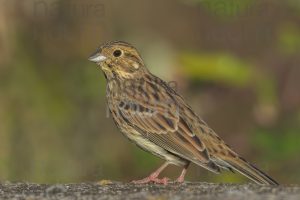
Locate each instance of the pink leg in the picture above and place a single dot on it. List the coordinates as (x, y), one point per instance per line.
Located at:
(153, 177)
(180, 179)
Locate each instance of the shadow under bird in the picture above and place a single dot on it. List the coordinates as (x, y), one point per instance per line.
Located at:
(157, 119)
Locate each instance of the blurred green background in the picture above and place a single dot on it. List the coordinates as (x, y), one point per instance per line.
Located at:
(235, 61)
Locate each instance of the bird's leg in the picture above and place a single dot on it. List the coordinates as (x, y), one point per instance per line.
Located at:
(180, 179)
(154, 177)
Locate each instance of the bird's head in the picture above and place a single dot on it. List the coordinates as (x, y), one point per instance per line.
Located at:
(119, 60)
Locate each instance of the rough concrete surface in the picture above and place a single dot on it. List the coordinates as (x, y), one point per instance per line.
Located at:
(116, 190)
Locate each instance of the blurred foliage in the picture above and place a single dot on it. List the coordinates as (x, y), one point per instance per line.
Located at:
(221, 68)
(285, 146)
(294, 4)
(289, 39)
(226, 9)
(230, 71)
(236, 62)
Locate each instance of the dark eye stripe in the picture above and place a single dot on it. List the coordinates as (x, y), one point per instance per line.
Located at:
(133, 58)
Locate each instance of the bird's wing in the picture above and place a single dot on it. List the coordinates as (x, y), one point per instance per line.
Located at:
(159, 120)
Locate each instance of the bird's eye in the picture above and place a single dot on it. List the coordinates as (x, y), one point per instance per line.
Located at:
(117, 53)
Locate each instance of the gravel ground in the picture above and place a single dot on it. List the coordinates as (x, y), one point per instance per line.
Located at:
(116, 190)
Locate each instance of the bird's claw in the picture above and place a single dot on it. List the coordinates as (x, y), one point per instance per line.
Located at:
(163, 181)
(179, 180)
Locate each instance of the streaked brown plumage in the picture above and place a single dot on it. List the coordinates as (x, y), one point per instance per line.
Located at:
(158, 120)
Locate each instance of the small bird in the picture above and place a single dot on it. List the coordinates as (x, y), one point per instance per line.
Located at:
(157, 119)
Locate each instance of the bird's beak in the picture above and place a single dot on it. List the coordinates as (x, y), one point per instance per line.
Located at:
(97, 57)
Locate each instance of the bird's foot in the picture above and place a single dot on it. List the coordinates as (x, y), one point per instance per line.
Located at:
(150, 179)
(180, 180)
(153, 178)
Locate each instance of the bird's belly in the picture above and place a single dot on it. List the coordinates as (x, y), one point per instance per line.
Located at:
(149, 146)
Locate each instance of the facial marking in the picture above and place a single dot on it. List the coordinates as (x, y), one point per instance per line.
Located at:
(135, 65)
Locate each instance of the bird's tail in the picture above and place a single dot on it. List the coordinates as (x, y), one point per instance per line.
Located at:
(247, 169)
